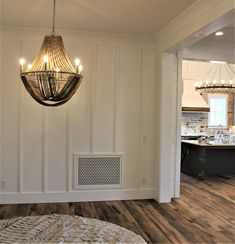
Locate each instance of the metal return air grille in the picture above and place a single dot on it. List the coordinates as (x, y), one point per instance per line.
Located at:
(98, 171)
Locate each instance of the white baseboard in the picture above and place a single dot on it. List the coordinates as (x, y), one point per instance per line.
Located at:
(77, 196)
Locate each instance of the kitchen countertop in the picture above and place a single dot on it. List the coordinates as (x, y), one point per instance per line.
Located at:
(210, 144)
(191, 135)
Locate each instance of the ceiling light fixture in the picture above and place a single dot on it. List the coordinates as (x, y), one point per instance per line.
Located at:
(214, 83)
(51, 79)
(219, 33)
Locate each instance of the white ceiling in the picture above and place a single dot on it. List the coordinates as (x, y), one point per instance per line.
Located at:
(212, 47)
(143, 17)
(227, 38)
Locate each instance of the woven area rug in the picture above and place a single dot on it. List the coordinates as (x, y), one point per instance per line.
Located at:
(63, 229)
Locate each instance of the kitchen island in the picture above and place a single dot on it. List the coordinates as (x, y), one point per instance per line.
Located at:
(203, 159)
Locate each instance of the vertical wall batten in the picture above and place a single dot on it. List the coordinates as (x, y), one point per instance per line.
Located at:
(68, 156)
(19, 144)
(116, 104)
(44, 159)
(93, 93)
(139, 150)
(115, 99)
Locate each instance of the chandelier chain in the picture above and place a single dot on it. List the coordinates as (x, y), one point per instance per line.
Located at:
(53, 24)
(229, 71)
(207, 74)
(214, 72)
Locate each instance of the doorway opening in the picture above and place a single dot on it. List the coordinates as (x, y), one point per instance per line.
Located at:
(207, 119)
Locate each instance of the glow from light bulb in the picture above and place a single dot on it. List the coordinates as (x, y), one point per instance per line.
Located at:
(214, 81)
(207, 82)
(45, 58)
(219, 33)
(57, 69)
(80, 68)
(196, 84)
(231, 82)
(222, 82)
(29, 66)
(22, 61)
(77, 61)
(218, 62)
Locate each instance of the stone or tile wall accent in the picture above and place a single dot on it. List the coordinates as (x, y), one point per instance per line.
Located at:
(194, 123)
(231, 110)
(197, 123)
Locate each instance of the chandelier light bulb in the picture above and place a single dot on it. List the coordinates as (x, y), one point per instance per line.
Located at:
(22, 61)
(230, 82)
(77, 61)
(45, 58)
(57, 69)
(222, 82)
(29, 66)
(80, 68)
(196, 84)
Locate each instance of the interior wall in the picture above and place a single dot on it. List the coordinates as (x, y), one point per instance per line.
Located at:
(112, 112)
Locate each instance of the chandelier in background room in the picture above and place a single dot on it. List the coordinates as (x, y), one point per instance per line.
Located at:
(213, 82)
(51, 79)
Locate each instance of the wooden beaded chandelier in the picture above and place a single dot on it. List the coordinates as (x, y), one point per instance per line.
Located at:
(51, 79)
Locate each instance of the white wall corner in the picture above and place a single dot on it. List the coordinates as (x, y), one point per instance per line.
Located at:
(165, 160)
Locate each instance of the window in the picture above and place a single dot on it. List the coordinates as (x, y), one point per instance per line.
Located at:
(218, 110)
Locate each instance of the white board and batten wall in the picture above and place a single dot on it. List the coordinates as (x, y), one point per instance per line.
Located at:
(112, 112)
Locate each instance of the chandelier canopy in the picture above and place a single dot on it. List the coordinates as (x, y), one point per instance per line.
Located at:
(51, 79)
(214, 83)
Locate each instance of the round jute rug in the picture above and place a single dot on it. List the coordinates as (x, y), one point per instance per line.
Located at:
(63, 229)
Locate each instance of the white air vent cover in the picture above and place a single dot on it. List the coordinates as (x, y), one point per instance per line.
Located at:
(98, 171)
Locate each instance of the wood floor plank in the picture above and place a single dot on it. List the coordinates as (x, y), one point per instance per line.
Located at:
(205, 213)
(121, 216)
(151, 230)
(89, 210)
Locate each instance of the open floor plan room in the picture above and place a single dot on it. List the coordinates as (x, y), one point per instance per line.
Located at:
(117, 121)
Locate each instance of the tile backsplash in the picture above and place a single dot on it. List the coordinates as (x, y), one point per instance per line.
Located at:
(194, 123)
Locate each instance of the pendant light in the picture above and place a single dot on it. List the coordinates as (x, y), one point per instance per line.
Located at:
(214, 83)
(51, 79)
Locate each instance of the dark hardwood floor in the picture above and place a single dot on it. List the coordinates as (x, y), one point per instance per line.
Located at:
(205, 213)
